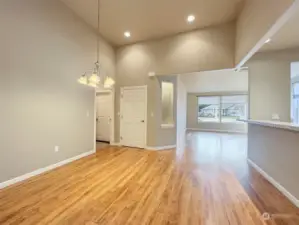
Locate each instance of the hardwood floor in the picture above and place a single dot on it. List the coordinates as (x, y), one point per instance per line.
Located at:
(207, 183)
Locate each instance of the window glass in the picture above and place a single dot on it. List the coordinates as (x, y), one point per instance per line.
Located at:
(233, 108)
(167, 102)
(208, 109)
(295, 103)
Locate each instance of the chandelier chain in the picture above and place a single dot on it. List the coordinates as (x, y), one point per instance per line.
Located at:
(98, 33)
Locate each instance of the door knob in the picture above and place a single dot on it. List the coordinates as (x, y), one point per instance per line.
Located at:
(142, 121)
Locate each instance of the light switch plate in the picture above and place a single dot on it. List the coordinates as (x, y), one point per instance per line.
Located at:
(56, 148)
(275, 116)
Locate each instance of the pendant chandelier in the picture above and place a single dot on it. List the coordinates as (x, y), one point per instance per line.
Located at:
(97, 77)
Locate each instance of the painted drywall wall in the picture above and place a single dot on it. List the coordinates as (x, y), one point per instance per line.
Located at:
(213, 83)
(206, 49)
(255, 20)
(276, 152)
(44, 49)
(181, 114)
(269, 84)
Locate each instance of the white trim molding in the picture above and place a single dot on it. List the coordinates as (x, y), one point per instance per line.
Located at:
(158, 148)
(167, 126)
(43, 170)
(115, 144)
(217, 131)
(282, 189)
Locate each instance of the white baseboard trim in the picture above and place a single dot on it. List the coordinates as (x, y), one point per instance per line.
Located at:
(158, 148)
(115, 144)
(282, 189)
(217, 131)
(43, 170)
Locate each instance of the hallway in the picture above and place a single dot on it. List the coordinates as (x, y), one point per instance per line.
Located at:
(209, 183)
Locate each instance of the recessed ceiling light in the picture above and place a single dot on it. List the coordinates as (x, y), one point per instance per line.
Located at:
(190, 18)
(268, 40)
(127, 34)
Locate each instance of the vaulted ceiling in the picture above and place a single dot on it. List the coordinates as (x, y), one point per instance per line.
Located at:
(287, 36)
(151, 19)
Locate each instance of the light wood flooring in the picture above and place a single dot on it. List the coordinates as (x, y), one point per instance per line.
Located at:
(207, 183)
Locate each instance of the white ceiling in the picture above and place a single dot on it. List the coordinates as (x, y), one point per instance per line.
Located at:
(149, 19)
(287, 37)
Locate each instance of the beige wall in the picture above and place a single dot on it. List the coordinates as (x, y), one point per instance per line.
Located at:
(181, 114)
(44, 49)
(256, 19)
(276, 152)
(216, 81)
(206, 49)
(269, 84)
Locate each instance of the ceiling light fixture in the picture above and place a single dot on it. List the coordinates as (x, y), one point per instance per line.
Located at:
(83, 79)
(95, 79)
(127, 34)
(109, 82)
(190, 18)
(268, 40)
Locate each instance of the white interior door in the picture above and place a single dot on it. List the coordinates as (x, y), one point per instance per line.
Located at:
(104, 114)
(133, 113)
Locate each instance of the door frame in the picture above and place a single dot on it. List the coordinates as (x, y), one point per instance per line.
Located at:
(112, 95)
(144, 87)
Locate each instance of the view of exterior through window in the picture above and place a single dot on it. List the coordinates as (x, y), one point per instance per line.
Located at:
(295, 102)
(295, 92)
(209, 109)
(222, 109)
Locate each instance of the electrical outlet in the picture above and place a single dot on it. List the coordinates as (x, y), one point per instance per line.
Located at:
(87, 113)
(56, 148)
(275, 116)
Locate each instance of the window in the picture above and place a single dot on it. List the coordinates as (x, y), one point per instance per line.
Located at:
(167, 104)
(295, 92)
(208, 109)
(233, 108)
(295, 103)
(222, 109)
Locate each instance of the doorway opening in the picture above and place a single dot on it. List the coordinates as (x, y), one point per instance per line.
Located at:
(104, 118)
